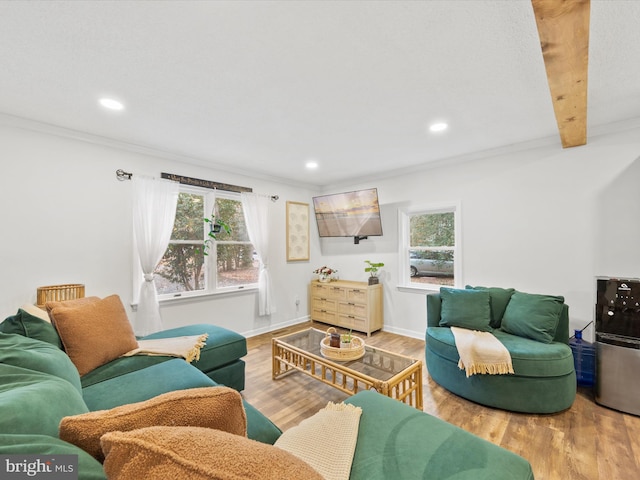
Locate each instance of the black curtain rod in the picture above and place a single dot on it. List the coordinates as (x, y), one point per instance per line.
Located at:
(122, 175)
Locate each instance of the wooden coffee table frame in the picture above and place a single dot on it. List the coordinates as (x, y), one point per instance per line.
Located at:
(405, 386)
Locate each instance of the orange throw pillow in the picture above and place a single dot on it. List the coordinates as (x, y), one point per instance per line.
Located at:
(197, 454)
(211, 407)
(76, 302)
(93, 332)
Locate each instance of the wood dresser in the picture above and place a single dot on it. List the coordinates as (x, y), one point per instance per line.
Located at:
(347, 304)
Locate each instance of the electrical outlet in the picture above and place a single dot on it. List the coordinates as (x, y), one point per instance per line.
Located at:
(297, 300)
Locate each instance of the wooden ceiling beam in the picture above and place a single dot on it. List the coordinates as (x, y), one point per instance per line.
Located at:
(563, 28)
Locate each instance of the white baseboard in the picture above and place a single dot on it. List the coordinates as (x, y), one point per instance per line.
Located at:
(307, 318)
(404, 332)
(275, 326)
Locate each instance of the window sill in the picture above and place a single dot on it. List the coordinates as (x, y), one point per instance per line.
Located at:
(198, 297)
(423, 290)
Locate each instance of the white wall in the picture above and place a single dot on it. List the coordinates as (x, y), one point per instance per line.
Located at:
(67, 219)
(542, 220)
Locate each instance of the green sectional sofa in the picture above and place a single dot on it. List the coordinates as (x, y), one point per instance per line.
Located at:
(536, 336)
(40, 386)
(398, 442)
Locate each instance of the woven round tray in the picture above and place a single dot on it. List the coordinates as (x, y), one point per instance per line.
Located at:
(342, 354)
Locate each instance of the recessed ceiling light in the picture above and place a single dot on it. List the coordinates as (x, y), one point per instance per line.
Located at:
(438, 127)
(311, 165)
(111, 104)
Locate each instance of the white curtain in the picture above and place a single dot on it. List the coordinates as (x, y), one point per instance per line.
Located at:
(256, 216)
(154, 211)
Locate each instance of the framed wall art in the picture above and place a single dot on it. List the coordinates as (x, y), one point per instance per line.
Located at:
(297, 231)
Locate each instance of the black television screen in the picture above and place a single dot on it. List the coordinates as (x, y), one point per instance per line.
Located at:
(349, 214)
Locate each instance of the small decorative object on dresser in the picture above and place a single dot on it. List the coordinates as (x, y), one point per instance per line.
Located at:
(373, 270)
(324, 273)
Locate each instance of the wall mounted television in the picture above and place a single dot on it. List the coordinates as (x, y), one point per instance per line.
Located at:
(351, 214)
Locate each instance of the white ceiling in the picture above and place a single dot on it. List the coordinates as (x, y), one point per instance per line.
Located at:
(263, 86)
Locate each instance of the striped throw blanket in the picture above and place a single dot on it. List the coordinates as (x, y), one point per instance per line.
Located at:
(481, 352)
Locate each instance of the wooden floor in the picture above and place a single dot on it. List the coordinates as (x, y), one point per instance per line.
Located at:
(585, 442)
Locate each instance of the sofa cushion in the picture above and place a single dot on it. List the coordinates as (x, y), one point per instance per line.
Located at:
(40, 356)
(143, 384)
(465, 308)
(34, 403)
(88, 467)
(259, 427)
(198, 454)
(231, 375)
(499, 299)
(28, 325)
(137, 385)
(396, 441)
(121, 366)
(212, 407)
(533, 316)
(93, 333)
(222, 349)
(223, 346)
(530, 358)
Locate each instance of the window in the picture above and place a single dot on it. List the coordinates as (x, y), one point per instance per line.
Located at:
(189, 267)
(431, 257)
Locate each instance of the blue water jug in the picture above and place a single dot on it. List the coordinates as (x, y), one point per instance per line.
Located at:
(584, 359)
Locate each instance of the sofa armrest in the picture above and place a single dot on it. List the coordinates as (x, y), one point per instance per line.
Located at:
(434, 306)
(397, 441)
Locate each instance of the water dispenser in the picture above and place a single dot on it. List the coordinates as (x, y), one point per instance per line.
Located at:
(618, 343)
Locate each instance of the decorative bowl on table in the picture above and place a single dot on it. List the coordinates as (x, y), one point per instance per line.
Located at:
(341, 354)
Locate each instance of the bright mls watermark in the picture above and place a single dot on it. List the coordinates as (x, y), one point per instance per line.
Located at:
(50, 467)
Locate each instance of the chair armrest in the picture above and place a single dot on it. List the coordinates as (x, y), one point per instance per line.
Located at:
(562, 331)
(434, 305)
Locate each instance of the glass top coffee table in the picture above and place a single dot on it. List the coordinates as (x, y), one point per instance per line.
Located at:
(389, 373)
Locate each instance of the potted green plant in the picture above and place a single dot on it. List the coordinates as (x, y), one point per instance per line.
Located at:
(373, 270)
(216, 225)
(345, 340)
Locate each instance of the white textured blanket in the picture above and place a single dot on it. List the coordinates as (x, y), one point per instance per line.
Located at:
(187, 347)
(326, 441)
(481, 352)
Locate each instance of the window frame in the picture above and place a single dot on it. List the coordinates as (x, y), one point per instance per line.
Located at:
(404, 235)
(210, 260)
(212, 268)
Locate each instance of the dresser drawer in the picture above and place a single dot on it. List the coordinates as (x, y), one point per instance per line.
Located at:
(360, 324)
(356, 295)
(324, 303)
(325, 316)
(326, 290)
(351, 321)
(355, 309)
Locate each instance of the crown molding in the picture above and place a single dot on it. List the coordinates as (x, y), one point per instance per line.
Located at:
(544, 142)
(63, 132)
